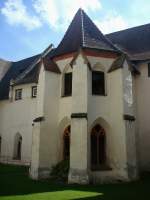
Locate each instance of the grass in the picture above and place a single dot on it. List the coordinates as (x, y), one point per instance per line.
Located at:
(15, 185)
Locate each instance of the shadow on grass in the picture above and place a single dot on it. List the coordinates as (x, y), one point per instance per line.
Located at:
(15, 181)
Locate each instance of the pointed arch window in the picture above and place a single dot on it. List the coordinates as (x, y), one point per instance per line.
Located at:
(66, 140)
(18, 147)
(98, 147)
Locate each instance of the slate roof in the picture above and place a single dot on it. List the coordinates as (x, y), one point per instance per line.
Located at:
(83, 33)
(15, 70)
(31, 77)
(31, 74)
(118, 63)
(4, 66)
(134, 41)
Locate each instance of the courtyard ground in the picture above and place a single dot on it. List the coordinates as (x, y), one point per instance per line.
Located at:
(15, 185)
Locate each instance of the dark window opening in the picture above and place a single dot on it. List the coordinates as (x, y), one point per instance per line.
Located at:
(98, 83)
(98, 147)
(67, 143)
(34, 91)
(148, 69)
(68, 84)
(18, 94)
(18, 147)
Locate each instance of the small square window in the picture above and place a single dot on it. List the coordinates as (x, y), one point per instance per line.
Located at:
(98, 83)
(148, 69)
(34, 91)
(68, 84)
(18, 94)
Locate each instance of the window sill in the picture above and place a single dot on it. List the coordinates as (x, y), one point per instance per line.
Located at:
(66, 96)
(100, 95)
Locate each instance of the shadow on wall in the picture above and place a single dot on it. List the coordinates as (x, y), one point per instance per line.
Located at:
(14, 181)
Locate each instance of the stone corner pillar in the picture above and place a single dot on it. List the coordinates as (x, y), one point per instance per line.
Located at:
(34, 167)
(78, 172)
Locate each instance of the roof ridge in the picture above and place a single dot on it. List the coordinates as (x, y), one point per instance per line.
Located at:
(82, 27)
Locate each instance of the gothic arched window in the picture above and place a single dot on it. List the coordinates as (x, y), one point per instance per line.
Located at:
(98, 147)
(66, 141)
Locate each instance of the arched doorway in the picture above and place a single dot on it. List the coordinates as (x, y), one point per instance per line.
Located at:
(98, 147)
(18, 147)
(66, 143)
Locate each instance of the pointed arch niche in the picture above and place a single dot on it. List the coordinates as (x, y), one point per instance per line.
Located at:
(17, 146)
(66, 143)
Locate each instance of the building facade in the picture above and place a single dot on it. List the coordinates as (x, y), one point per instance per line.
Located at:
(86, 100)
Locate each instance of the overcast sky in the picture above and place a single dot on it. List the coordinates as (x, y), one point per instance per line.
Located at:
(27, 27)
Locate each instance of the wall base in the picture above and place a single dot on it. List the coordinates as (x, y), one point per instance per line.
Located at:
(78, 176)
(40, 173)
(112, 176)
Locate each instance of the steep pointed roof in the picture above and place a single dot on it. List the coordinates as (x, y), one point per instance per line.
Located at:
(83, 33)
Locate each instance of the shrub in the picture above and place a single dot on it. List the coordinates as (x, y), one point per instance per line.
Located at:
(60, 171)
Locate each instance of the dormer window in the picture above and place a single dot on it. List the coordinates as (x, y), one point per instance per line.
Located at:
(34, 91)
(18, 94)
(68, 84)
(98, 83)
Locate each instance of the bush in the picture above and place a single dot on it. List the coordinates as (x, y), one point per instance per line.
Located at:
(60, 171)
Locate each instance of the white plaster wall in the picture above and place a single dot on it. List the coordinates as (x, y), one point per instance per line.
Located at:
(108, 111)
(17, 117)
(49, 137)
(143, 116)
(129, 109)
(79, 105)
(65, 103)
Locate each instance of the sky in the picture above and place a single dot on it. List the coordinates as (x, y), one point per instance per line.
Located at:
(27, 27)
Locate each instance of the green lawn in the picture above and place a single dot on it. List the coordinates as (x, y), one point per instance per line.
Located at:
(15, 185)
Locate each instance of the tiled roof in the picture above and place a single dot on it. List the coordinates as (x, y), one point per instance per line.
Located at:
(83, 33)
